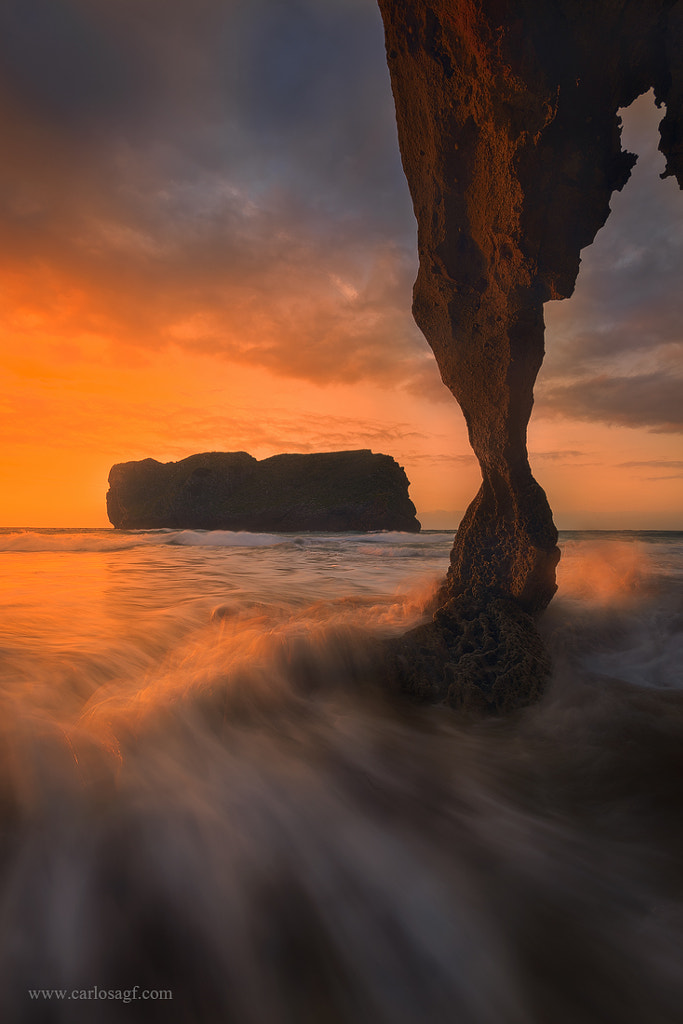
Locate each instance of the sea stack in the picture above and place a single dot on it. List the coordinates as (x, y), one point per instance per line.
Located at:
(329, 491)
(510, 140)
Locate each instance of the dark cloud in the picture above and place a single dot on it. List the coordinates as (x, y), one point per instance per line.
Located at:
(286, 99)
(621, 332)
(653, 400)
(218, 175)
(61, 64)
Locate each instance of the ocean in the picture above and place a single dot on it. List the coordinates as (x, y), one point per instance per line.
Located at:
(211, 813)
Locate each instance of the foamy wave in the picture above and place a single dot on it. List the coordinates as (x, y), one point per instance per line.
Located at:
(224, 539)
(394, 537)
(602, 572)
(617, 614)
(76, 541)
(113, 540)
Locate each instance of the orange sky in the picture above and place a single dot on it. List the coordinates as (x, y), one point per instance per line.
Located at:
(73, 405)
(159, 306)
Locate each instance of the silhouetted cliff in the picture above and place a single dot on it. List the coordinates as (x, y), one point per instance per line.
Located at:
(330, 491)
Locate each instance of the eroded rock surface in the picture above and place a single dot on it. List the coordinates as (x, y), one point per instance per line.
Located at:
(328, 491)
(510, 140)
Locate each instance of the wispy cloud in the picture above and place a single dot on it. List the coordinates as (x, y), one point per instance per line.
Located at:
(560, 455)
(643, 466)
(652, 464)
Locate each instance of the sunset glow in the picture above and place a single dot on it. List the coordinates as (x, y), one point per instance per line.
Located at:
(189, 269)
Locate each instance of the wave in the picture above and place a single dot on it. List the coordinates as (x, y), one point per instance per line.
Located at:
(114, 540)
(85, 541)
(224, 539)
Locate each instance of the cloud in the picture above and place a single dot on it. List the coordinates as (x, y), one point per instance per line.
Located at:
(626, 313)
(437, 458)
(560, 455)
(140, 425)
(224, 177)
(652, 400)
(217, 175)
(615, 349)
(652, 464)
(139, 99)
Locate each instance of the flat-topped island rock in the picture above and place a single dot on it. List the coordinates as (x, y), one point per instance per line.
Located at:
(327, 491)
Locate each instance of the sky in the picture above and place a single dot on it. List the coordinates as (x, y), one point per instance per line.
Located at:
(207, 244)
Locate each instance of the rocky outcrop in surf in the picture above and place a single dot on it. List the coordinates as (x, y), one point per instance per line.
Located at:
(510, 140)
(330, 491)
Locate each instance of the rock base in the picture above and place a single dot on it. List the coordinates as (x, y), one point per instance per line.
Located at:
(476, 656)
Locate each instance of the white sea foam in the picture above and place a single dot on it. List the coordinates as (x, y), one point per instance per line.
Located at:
(123, 540)
(224, 539)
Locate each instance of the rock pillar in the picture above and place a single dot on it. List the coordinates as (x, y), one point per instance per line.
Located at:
(510, 141)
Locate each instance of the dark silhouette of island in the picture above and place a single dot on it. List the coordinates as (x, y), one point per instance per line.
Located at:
(327, 491)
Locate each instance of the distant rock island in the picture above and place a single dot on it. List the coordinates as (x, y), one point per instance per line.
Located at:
(328, 491)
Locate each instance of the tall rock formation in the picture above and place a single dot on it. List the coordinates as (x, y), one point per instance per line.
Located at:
(510, 140)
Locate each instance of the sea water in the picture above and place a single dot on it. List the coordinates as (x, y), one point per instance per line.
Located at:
(210, 812)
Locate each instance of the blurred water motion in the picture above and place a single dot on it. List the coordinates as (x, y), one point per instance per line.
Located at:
(203, 789)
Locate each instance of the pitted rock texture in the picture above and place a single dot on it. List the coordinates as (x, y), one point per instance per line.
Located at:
(476, 656)
(510, 140)
(327, 491)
